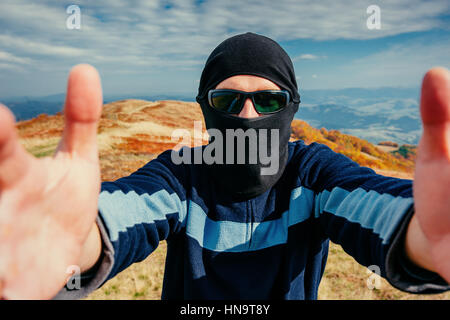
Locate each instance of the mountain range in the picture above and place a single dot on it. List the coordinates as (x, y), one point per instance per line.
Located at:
(383, 114)
(380, 114)
(25, 108)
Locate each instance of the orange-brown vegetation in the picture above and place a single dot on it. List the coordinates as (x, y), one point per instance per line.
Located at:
(359, 150)
(43, 126)
(145, 145)
(105, 124)
(388, 143)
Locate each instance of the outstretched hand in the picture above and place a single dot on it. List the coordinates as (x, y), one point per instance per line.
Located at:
(48, 206)
(430, 236)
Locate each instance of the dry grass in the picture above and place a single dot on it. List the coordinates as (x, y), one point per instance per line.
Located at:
(344, 279)
(142, 281)
(132, 132)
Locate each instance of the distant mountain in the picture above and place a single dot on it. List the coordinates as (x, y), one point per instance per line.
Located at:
(349, 95)
(381, 114)
(31, 108)
(25, 108)
(372, 114)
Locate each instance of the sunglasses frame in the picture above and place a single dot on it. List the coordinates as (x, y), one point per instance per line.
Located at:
(248, 95)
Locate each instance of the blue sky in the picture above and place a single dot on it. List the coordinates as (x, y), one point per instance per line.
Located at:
(159, 47)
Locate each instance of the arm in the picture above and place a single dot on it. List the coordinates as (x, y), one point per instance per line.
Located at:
(419, 249)
(135, 213)
(367, 214)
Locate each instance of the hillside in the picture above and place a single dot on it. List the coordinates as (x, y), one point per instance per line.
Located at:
(375, 114)
(132, 132)
(140, 130)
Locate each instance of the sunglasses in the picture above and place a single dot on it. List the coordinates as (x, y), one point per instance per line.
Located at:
(232, 101)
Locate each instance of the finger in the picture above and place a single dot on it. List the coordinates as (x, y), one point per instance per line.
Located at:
(82, 112)
(14, 160)
(1, 290)
(435, 113)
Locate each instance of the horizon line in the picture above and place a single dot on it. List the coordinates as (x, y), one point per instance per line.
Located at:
(194, 93)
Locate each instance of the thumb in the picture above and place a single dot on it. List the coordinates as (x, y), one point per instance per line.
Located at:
(82, 112)
(435, 113)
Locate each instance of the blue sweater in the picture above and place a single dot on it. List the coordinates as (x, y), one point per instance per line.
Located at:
(273, 246)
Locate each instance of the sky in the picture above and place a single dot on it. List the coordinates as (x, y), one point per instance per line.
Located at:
(160, 46)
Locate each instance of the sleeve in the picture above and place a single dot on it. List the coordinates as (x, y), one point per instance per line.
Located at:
(365, 213)
(135, 213)
(405, 275)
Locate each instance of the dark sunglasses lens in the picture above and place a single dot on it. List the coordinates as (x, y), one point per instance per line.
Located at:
(226, 101)
(266, 102)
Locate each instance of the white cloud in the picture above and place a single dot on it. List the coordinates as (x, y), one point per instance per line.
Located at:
(6, 56)
(399, 65)
(186, 28)
(40, 48)
(305, 56)
(12, 67)
(120, 37)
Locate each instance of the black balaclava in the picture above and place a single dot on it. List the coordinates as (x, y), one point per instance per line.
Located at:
(249, 54)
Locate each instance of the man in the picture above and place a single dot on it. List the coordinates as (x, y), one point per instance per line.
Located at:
(232, 232)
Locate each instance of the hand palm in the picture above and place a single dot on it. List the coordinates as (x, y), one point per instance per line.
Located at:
(48, 205)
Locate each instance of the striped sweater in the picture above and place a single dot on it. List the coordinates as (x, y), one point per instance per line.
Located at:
(273, 246)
